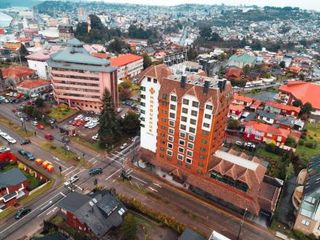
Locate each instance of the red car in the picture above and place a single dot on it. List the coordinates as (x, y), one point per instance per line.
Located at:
(78, 122)
(40, 126)
(48, 136)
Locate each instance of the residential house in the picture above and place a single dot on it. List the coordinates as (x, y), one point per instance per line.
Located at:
(260, 132)
(93, 215)
(242, 100)
(13, 185)
(233, 73)
(303, 91)
(241, 60)
(235, 111)
(14, 75)
(30, 87)
(306, 199)
(283, 109)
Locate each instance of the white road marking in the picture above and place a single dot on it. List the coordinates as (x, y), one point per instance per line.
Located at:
(92, 159)
(66, 169)
(157, 184)
(152, 189)
(113, 174)
(57, 159)
(71, 171)
(95, 161)
(63, 194)
(80, 188)
(139, 179)
(52, 211)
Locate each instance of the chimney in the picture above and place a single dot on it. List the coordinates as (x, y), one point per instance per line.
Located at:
(183, 81)
(206, 87)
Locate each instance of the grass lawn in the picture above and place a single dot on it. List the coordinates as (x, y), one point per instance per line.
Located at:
(61, 113)
(274, 168)
(313, 134)
(261, 152)
(94, 146)
(33, 182)
(7, 212)
(14, 127)
(60, 152)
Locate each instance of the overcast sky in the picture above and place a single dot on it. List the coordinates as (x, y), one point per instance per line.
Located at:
(305, 4)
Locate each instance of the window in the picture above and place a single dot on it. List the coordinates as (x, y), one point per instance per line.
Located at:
(195, 104)
(200, 164)
(305, 222)
(161, 149)
(181, 142)
(163, 127)
(193, 121)
(161, 155)
(190, 153)
(206, 125)
(169, 152)
(202, 149)
(170, 138)
(192, 130)
(142, 111)
(142, 88)
(194, 113)
(163, 120)
(171, 123)
(205, 133)
(183, 119)
(185, 110)
(170, 145)
(183, 127)
(181, 150)
(188, 160)
(172, 107)
(142, 104)
(172, 115)
(202, 157)
(173, 98)
(203, 141)
(155, 80)
(185, 101)
(149, 79)
(142, 119)
(182, 134)
(190, 145)
(191, 138)
(143, 96)
(171, 130)
(207, 116)
(164, 96)
(209, 107)
(180, 157)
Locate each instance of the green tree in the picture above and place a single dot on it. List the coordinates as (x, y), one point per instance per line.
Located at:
(131, 123)
(129, 227)
(306, 108)
(291, 142)
(205, 32)
(118, 46)
(147, 62)
(234, 124)
(282, 64)
(109, 132)
(192, 53)
(124, 89)
(39, 102)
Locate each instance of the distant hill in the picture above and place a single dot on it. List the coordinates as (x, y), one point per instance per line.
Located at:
(18, 3)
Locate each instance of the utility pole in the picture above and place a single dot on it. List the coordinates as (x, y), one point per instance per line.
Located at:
(241, 223)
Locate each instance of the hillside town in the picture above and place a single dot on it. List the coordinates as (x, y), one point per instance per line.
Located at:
(128, 121)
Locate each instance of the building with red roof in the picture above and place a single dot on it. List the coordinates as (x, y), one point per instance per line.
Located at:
(242, 100)
(128, 65)
(235, 111)
(233, 73)
(29, 87)
(283, 109)
(14, 75)
(260, 132)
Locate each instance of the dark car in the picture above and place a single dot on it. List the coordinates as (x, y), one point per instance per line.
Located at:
(22, 212)
(95, 171)
(25, 142)
(26, 154)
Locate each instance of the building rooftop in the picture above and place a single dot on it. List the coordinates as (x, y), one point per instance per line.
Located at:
(265, 128)
(124, 59)
(17, 71)
(29, 84)
(282, 106)
(11, 178)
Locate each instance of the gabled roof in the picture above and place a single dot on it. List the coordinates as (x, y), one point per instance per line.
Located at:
(236, 107)
(238, 97)
(304, 91)
(159, 72)
(265, 128)
(17, 71)
(30, 84)
(283, 106)
(11, 178)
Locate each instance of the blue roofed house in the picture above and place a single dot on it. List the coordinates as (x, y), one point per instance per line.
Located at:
(241, 60)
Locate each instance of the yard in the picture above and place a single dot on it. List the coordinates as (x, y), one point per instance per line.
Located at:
(16, 128)
(304, 151)
(61, 112)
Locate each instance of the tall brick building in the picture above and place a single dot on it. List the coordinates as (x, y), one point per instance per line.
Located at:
(183, 118)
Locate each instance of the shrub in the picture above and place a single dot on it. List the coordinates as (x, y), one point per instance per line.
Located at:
(311, 144)
(272, 148)
(301, 142)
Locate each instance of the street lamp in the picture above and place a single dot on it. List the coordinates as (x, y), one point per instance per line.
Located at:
(241, 223)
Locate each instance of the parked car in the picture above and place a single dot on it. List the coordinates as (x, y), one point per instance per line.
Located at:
(25, 142)
(95, 171)
(71, 180)
(48, 136)
(123, 146)
(80, 116)
(22, 212)
(26, 154)
(95, 137)
(239, 143)
(40, 126)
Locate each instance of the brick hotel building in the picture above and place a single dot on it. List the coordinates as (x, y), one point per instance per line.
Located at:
(80, 79)
(183, 120)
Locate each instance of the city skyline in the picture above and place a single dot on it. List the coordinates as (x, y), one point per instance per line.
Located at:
(311, 5)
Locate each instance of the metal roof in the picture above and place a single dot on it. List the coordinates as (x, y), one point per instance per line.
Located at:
(11, 178)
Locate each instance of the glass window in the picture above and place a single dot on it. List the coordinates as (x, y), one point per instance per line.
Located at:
(202, 149)
(181, 150)
(155, 80)
(170, 138)
(194, 113)
(143, 96)
(181, 142)
(183, 119)
(193, 121)
(185, 101)
(142, 88)
(200, 164)
(180, 157)
(183, 127)
(202, 157)
(188, 160)
(172, 107)
(182, 134)
(164, 96)
(173, 98)
(209, 107)
(185, 110)
(192, 130)
(195, 104)
(190, 153)
(142, 104)
(171, 130)
(172, 115)
(149, 79)
(169, 152)
(190, 145)
(208, 116)
(170, 145)
(207, 125)
(203, 141)
(171, 123)
(191, 138)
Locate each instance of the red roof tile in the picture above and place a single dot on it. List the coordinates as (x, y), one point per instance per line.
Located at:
(265, 128)
(100, 55)
(304, 91)
(29, 84)
(124, 59)
(242, 98)
(256, 104)
(233, 72)
(235, 107)
(17, 71)
(282, 106)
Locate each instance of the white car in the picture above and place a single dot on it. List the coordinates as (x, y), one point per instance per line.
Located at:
(80, 116)
(34, 123)
(71, 180)
(91, 124)
(11, 140)
(87, 119)
(95, 137)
